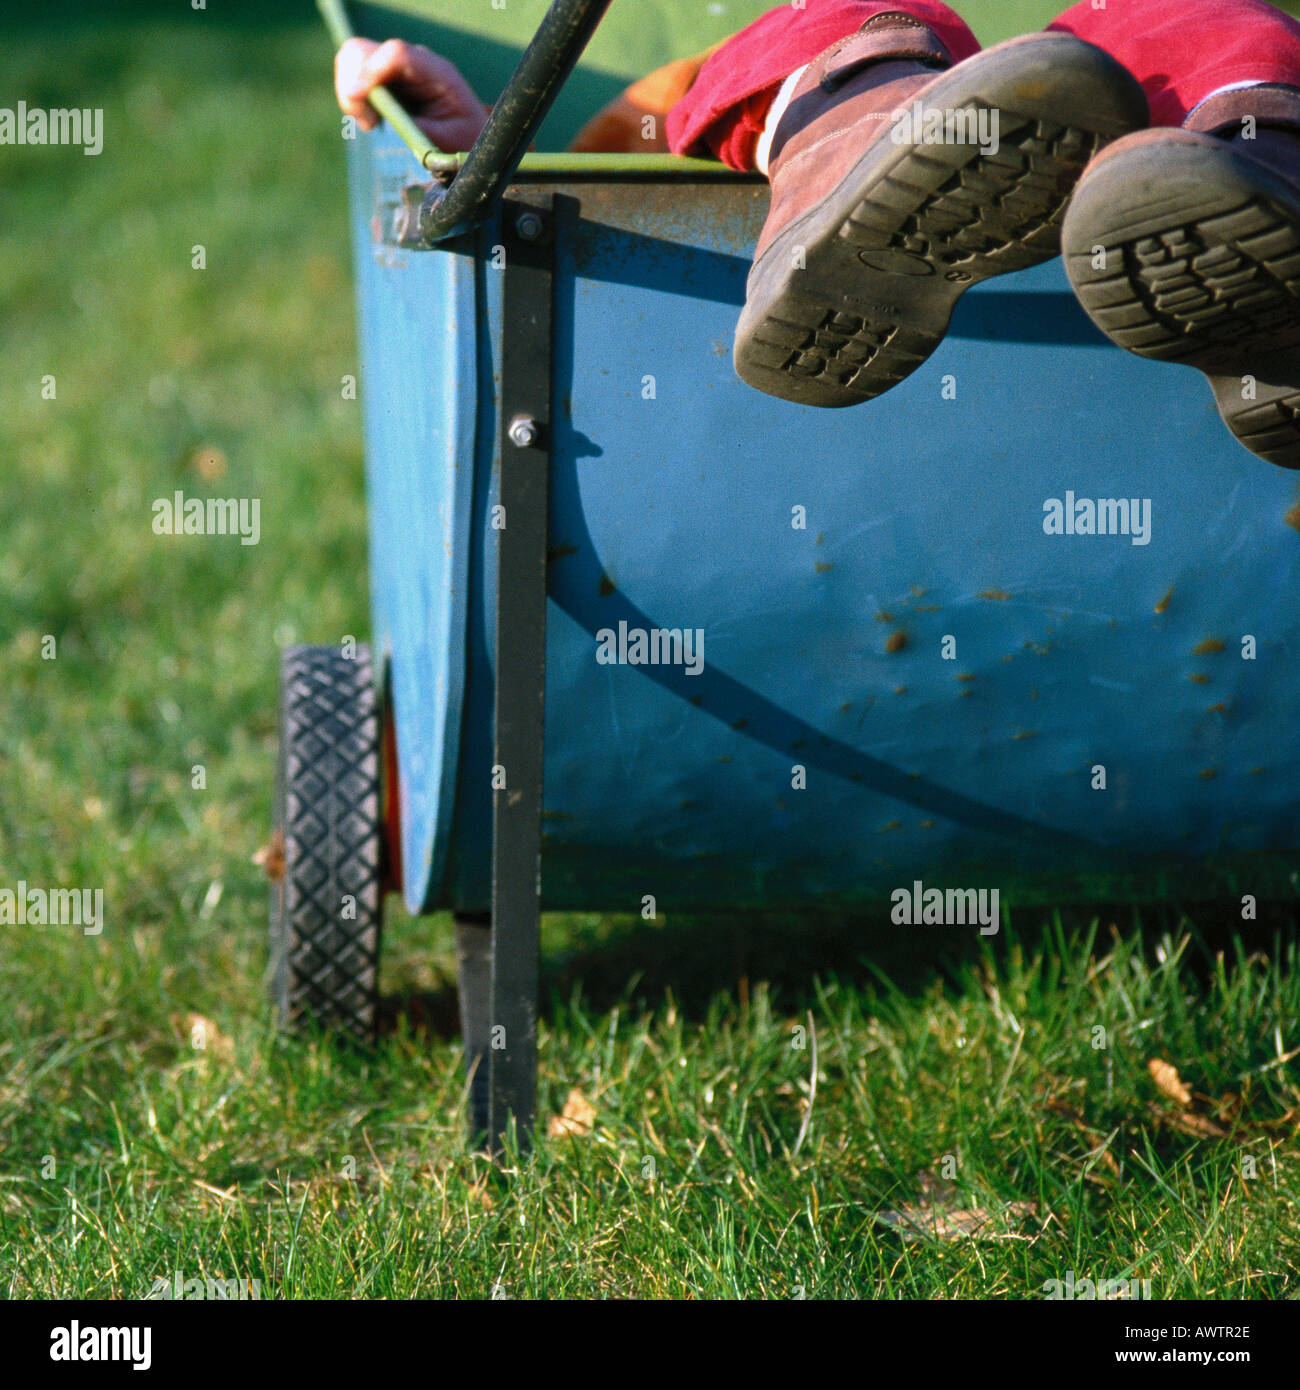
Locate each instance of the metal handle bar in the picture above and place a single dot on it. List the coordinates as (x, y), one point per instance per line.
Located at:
(478, 182)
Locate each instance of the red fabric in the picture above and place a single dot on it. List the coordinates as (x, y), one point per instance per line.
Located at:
(1180, 51)
(724, 111)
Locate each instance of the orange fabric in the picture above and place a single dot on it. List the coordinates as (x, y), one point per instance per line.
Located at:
(622, 128)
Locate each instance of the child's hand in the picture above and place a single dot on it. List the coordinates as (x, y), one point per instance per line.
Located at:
(442, 102)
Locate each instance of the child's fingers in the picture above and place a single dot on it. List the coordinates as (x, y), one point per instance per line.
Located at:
(426, 83)
(419, 73)
(350, 86)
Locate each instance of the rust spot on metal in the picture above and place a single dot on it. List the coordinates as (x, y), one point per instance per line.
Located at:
(919, 591)
(966, 676)
(1033, 693)
(1026, 733)
(822, 568)
(606, 586)
(558, 552)
(1206, 773)
(697, 700)
(1211, 644)
(724, 757)
(1220, 708)
(1199, 678)
(740, 723)
(821, 536)
(965, 694)
(996, 595)
(900, 690)
(884, 617)
(1292, 518)
(1163, 605)
(893, 825)
(926, 607)
(927, 825)
(896, 641)
(846, 706)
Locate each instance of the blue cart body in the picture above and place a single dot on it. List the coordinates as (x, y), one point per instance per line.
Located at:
(904, 674)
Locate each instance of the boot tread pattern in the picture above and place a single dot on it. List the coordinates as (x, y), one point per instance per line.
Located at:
(990, 214)
(1270, 429)
(1201, 289)
(1007, 205)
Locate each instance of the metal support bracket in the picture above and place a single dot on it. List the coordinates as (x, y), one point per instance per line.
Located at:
(524, 442)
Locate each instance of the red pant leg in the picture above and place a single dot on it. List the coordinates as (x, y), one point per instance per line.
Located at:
(724, 110)
(1182, 50)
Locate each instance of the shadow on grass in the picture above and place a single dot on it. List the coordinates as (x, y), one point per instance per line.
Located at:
(627, 962)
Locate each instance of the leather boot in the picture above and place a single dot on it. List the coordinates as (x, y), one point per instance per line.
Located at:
(899, 180)
(1183, 244)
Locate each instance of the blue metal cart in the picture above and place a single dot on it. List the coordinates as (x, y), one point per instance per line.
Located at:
(887, 668)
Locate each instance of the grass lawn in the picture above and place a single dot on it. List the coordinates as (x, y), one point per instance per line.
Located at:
(152, 1122)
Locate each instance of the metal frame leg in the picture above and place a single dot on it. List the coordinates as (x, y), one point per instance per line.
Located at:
(474, 990)
(527, 232)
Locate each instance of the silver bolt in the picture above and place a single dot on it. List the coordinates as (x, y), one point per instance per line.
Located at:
(523, 431)
(529, 226)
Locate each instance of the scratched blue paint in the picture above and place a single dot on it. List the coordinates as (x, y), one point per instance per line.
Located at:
(924, 518)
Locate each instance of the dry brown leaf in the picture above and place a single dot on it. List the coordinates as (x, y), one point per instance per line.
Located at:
(1188, 1123)
(204, 1036)
(957, 1223)
(271, 857)
(935, 1215)
(575, 1121)
(1170, 1084)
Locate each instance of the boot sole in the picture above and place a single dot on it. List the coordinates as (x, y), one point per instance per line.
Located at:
(854, 295)
(1201, 268)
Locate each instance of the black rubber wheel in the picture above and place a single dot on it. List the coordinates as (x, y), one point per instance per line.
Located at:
(326, 857)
